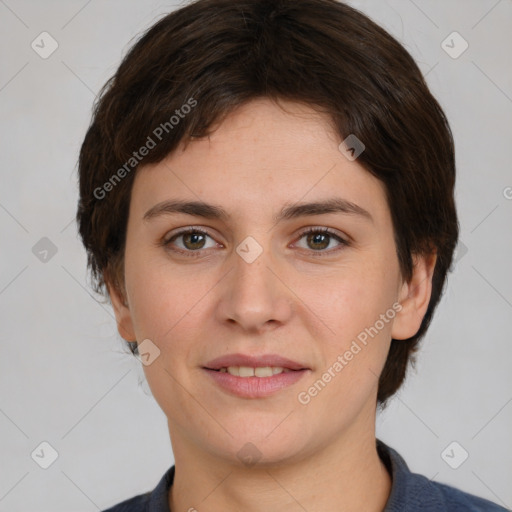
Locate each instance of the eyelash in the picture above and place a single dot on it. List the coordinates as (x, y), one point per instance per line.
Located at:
(315, 230)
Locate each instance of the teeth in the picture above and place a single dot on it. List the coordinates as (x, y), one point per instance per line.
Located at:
(247, 371)
(265, 371)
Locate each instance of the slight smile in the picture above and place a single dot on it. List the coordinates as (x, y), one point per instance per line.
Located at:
(254, 376)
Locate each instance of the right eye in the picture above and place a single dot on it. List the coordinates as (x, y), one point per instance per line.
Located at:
(193, 240)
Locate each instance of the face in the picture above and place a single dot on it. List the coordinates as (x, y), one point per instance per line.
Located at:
(257, 282)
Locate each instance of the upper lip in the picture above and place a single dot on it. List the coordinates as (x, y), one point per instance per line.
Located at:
(253, 362)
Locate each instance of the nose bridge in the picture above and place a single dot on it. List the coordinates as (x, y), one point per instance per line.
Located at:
(255, 296)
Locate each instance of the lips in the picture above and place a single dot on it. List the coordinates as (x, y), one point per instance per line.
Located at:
(254, 376)
(265, 360)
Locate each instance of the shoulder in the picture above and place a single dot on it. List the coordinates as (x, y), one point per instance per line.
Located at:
(154, 501)
(437, 496)
(413, 491)
(136, 504)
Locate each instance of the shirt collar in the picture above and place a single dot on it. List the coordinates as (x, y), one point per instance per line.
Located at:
(409, 491)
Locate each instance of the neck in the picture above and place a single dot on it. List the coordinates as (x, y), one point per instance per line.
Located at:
(344, 476)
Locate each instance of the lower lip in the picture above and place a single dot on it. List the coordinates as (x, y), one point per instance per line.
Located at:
(255, 387)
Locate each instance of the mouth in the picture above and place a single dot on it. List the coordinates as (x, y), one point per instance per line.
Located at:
(254, 376)
(258, 371)
(246, 363)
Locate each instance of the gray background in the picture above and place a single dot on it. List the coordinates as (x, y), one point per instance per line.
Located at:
(65, 377)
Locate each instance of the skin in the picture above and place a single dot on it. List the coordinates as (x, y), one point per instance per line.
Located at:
(320, 456)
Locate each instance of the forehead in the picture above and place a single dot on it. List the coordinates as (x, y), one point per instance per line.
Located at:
(261, 156)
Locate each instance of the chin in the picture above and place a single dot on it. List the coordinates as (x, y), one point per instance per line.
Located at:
(260, 446)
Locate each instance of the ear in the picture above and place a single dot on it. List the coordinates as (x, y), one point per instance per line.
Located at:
(122, 311)
(414, 297)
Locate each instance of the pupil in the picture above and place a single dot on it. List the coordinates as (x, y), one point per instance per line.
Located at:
(194, 236)
(321, 236)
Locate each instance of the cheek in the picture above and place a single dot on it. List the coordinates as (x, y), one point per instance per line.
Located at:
(160, 295)
(355, 347)
(168, 307)
(347, 301)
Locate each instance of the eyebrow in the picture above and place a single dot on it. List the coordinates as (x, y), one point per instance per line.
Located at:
(211, 211)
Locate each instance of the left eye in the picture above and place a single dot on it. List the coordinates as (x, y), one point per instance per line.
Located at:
(193, 240)
(321, 238)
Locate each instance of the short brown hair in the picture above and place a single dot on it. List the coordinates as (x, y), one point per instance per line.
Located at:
(223, 53)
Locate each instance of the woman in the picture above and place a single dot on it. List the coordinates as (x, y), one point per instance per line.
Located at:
(267, 197)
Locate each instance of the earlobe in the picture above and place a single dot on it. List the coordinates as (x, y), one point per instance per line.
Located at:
(414, 297)
(122, 313)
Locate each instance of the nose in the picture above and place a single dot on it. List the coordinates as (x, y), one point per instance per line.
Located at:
(254, 295)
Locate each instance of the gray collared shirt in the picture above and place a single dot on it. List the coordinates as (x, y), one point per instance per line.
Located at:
(410, 492)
